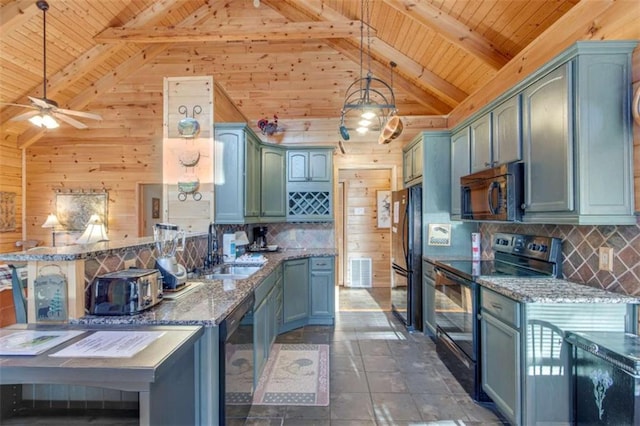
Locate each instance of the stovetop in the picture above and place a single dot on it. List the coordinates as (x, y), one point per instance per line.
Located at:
(473, 269)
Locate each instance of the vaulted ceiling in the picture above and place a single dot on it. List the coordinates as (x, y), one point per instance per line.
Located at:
(292, 58)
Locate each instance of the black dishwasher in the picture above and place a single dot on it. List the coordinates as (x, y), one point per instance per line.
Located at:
(606, 378)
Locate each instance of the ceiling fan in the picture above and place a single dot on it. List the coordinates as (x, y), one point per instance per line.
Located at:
(45, 111)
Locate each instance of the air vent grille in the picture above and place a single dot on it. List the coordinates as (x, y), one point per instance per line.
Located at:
(360, 272)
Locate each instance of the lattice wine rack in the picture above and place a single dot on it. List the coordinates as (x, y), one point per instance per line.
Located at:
(309, 203)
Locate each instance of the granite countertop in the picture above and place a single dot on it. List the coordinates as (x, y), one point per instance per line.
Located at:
(209, 303)
(551, 290)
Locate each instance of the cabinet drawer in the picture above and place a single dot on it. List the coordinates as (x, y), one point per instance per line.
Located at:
(318, 263)
(264, 288)
(501, 307)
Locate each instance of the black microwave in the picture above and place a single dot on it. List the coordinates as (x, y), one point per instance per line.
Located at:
(494, 194)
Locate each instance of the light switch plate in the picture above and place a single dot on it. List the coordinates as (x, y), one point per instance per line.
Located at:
(605, 259)
(439, 234)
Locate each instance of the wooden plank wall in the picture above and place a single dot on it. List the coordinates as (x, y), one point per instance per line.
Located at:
(363, 239)
(11, 181)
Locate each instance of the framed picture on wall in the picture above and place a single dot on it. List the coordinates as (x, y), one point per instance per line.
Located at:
(384, 208)
(155, 208)
(75, 209)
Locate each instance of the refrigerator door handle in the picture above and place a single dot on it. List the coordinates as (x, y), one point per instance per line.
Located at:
(399, 270)
(405, 237)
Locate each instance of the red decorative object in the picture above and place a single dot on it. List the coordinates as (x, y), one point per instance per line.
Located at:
(268, 128)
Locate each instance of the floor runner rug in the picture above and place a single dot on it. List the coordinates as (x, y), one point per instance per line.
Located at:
(295, 374)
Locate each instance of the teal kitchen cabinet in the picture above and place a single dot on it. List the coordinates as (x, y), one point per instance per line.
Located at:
(496, 137)
(412, 162)
(577, 139)
(480, 138)
(500, 353)
(237, 171)
(265, 314)
(273, 184)
(428, 299)
(309, 165)
(310, 185)
(295, 296)
(460, 166)
(506, 141)
(322, 291)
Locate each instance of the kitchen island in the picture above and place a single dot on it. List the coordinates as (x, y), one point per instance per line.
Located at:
(207, 304)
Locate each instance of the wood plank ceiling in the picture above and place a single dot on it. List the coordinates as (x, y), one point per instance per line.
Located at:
(293, 58)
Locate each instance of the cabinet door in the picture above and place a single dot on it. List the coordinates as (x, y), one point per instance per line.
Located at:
(500, 349)
(252, 178)
(460, 165)
(416, 160)
(260, 353)
(507, 132)
(429, 303)
(320, 168)
(548, 143)
(229, 191)
(297, 166)
(481, 143)
(296, 290)
(322, 288)
(273, 183)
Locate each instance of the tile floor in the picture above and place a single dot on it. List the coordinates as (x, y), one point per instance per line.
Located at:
(380, 375)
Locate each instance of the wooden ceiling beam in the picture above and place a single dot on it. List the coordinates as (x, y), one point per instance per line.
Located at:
(443, 95)
(452, 30)
(121, 72)
(15, 14)
(302, 10)
(232, 32)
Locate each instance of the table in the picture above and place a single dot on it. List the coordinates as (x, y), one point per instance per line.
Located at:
(163, 373)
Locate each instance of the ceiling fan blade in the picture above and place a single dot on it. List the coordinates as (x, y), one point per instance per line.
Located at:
(17, 105)
(75, 123)
(79, 113)
(41, 103)
(25, 116)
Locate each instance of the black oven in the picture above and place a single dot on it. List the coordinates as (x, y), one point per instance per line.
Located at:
(457, 330)
(236, 363)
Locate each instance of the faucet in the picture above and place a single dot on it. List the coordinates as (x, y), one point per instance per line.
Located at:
(213, 256)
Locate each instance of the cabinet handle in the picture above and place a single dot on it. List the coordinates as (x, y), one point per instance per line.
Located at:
(523, 206)
(487, 164)
(496, 306)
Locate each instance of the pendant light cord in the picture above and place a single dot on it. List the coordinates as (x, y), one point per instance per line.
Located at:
(44, 6)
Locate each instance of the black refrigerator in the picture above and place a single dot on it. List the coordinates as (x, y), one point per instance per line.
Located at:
(406, 256)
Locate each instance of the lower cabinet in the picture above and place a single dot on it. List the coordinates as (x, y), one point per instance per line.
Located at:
(501, 353)
(295, 309)
(322, 290)
(429, 299)
(265, 320)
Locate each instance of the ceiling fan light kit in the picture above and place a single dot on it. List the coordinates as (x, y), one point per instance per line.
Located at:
(46, 111)
(370, 102)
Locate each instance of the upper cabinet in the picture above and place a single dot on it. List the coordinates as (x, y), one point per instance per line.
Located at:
(570, 123)
(273, 184)
(309, 166)
(237, 174)
(578, 144)
(310, 185)
(412, 162)
(460, 166)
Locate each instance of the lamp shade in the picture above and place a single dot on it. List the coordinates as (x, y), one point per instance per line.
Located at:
(241, 238)
(94, 232)
(51, 222)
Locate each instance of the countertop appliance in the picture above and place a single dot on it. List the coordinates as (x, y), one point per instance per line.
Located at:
(236, 366)
(494, 194)
(259, 238)
(457, 298)
(169, 239)
(406, 256)
(125, 292)
(606, 377)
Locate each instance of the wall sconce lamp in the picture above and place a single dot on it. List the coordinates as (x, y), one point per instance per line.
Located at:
(94, 232)
(52, 222)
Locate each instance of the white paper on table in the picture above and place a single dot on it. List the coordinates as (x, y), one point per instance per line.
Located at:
(31, 342)
(110, 344)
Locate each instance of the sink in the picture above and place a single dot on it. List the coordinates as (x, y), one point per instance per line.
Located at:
(231, 271)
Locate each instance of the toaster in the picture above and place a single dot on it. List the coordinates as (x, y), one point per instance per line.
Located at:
(125, 292)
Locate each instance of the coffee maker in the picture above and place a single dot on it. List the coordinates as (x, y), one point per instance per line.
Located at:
(260, 237)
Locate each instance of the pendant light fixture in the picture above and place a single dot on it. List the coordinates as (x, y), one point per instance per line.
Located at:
(369, 102)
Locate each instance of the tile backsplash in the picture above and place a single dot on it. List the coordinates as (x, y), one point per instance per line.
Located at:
(580, 246)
